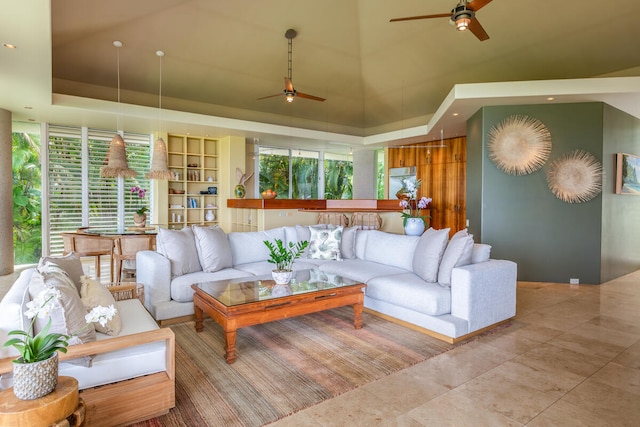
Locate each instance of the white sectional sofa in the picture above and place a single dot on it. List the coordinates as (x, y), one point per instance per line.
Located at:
(450, 288)
(127, 377)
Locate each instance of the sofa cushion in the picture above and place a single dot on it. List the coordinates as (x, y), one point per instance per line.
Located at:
(359, 270)
(325, 244)
(248, 246)
(127, 363)
(94, 294)
(68, 316)
(392, 249)
(214, 251)
(12, 308)
(409, 291)
(69, 263)
(428, 254)
(361, 243)
(457, 253)
(181, 286)
(481, 253)
(179, 246)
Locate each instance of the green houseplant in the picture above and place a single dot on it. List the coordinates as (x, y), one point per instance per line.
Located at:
(284, 257)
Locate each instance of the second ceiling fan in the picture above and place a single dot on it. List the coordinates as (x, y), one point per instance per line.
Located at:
(289, 92)
(463, 16)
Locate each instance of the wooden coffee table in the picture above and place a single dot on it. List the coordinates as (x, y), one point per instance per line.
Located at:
(237, 303)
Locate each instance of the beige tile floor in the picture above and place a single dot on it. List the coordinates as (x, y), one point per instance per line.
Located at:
(570, 358)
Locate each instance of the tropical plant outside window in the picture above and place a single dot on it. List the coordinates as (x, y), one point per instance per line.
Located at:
(27, 196)
(294, 174)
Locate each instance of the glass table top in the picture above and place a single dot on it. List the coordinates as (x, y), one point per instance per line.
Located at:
(246, 290)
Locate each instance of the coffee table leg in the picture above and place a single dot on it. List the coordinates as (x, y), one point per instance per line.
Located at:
(199, 317)
(230, 346)
(357, 315)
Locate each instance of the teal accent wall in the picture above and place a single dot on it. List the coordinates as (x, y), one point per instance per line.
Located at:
(523, 221)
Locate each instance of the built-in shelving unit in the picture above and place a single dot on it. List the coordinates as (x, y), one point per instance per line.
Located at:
(194, 162)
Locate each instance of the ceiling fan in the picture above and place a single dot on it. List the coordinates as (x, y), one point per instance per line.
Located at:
(463, 16)
(289, 92)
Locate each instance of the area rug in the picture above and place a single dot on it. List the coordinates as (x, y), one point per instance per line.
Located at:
(285, 366)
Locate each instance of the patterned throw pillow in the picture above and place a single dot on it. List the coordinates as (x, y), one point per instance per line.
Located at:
(325, 244)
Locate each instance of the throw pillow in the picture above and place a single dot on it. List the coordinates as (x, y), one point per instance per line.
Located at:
(325, 244)
(303, 233)
(348, 242)
(70, 263)
(429, 252)
(213, 248)
(179, 246)
(457, 253)
(481, 253)
(94, 294)
(68, 317)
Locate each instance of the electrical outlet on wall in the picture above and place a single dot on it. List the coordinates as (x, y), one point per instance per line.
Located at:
(574, 281)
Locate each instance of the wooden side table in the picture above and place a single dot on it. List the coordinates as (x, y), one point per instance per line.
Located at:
(63, 407)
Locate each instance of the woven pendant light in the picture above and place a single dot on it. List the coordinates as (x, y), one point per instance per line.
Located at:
(159, 167)
(116, 161)
(117, 165)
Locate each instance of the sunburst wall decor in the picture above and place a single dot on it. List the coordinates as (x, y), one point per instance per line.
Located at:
(519, 145)
(575, 177)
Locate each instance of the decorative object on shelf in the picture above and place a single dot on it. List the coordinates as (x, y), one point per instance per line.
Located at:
(209, 179)
(402, 196)
(575, 177)
(519, 145)
(210, 216)
(284, 257)
(213, 190)
(269, 194)
(35, 372)
(412, 207)
(239, 189)
(140, 215)
(159, 168)
(116, 161)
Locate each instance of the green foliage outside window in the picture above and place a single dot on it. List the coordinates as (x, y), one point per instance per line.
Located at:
(338, 176)
(27, 196)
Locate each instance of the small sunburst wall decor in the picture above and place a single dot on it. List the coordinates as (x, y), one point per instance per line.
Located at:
(519, 145)
(575, 177)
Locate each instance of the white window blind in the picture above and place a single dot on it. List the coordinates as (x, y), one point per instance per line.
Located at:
(102, 201)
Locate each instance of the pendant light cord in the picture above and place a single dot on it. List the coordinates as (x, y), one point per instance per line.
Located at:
(160, 54)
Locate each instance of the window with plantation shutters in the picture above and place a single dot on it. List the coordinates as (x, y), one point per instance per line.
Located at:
(78, 195)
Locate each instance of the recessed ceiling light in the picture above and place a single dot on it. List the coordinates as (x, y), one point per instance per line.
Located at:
(28, 108)
(551, 98)
(455, 114)
(9, 45)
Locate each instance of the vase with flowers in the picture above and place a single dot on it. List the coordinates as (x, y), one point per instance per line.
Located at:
(140, 215)
(35, 372)
(413, 221)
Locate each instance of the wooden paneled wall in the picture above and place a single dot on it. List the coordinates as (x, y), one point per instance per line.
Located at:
(443, 174)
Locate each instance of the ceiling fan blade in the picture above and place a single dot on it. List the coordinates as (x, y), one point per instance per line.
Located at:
(315, 98)
(477, 30)
(270, 96)
(476, 5)
(288, 84)
(411, 18)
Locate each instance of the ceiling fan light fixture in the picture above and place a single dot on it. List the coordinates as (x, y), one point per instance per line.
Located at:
(289, 95)
(463, 22)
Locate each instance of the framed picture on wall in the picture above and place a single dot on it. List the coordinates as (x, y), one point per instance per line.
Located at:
(627, 174)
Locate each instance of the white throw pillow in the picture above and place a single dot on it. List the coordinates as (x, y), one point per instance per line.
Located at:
(248, 246)
(429, 252)
(347, 242)
(325, 244)
(458, 253)
(94, 294)
(481, 253)
(179, 246)
(213, 248)
(396, 250)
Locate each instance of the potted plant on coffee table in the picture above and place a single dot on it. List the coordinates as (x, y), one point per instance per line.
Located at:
(284, 257)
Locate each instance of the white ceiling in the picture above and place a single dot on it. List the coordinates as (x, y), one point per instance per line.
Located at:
(383, 81)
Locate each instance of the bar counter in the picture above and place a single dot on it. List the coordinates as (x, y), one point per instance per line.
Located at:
(356, 205)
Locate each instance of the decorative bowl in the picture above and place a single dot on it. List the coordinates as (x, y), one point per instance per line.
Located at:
(179, 191)
(271, 195)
